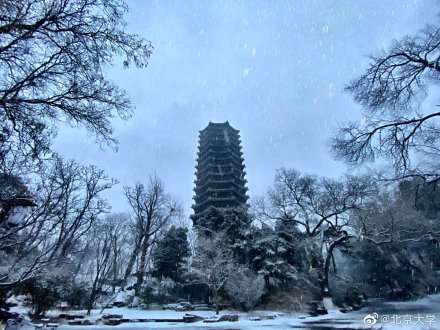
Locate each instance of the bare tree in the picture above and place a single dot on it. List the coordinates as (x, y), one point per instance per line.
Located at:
(319, 208)
(68, 202)
(153, 210)
(121, 246)
(213, 263)
(388, 219)
(53, 56)
(116, 225)
(102, 245)
(394, 126)
(245, 287)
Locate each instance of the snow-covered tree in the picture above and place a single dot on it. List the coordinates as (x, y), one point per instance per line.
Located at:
(52, 59)
(396, 252)
(170, 254)
(234, 221)
(272, 255)
(245, 287)
(48, 289)
(213, 263)
(101, 247)
(68, 201)
(153, 211)
(318, 208)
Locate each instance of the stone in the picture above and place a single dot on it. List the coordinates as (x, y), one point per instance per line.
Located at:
(112, 321)
(268, 317)
(229, 317)
(19, 323)
(71, 316)
(190, 318)
(112, 316)
(211, 320)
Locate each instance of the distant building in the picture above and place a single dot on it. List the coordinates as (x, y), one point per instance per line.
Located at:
(220, 177)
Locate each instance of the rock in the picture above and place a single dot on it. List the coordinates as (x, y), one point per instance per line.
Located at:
(86, 322)
(112, 321)
(211, 320)
(74, 322)
(268, 317)
(190, 318)
(321, 311)
(79, 322)
(6, 315)
(229, 317)
(19, 323)
(111, 316)
(142, 320)
(346, 309)
(71, 316)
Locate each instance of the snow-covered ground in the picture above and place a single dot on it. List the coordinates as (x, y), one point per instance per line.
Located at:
(422, 314)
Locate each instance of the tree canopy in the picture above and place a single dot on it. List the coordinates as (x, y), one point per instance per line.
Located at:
(53, 57)
(170, 253)
(395, 126)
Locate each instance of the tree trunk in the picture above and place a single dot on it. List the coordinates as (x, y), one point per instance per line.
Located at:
(91, 299)
(141, 268)
(215, 298)
(325, 274)
(328, 259)
(115, 259)
(93, 291)
(132, 259)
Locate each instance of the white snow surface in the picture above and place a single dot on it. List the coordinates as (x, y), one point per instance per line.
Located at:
(333, 320)
(281, 320)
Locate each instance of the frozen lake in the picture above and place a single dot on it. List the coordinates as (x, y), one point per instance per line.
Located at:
(420, 314)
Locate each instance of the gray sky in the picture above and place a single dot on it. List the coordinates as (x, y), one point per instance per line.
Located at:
(274, 69)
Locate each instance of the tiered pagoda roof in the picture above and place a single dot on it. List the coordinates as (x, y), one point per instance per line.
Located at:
(220, 176)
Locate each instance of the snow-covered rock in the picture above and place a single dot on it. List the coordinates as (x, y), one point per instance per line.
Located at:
(19, 323)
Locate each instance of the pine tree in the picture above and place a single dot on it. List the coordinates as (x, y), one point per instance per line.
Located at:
(170, 254)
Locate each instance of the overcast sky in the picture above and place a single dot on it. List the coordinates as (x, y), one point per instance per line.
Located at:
(274, 69)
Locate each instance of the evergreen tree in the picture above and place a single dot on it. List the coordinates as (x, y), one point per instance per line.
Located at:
(397, 254)
(233, 221)
(273, 254)
(170, 253)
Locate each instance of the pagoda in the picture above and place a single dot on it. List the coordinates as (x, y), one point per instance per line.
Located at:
(220, 177)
